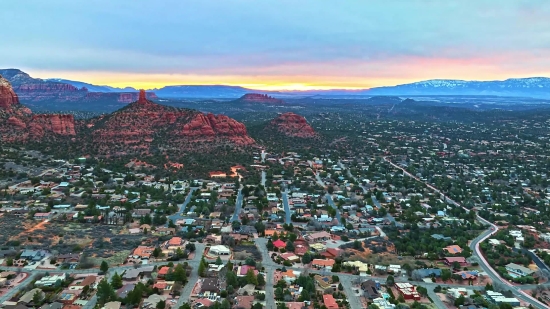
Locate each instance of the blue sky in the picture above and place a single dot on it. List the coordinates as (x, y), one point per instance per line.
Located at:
(276, 43)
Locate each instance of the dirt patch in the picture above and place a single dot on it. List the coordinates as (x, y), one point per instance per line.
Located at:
(241, 252)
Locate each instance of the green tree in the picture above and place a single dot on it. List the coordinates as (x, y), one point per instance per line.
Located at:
(289, 246)
(251, 277)
(459, 301)
(104, 267)
(306, 259)
(202, 268)
(185, 306)
(116, 281)
(180, 275)
(260, 279)
(161, 304)
(445, 274)
(219, 261)
(105, 292)
(340, 287)
(390, 281)
(157, 252)
(37, 298)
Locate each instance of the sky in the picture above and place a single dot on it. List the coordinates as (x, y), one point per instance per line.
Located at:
(275, 44)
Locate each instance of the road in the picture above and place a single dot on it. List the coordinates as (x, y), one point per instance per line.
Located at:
(180, 214)
(435, 299)
(287, 207)
(263, 178)
(19, 287)
(185, 294)
(331, 203)
(238, 206)
(474, 245)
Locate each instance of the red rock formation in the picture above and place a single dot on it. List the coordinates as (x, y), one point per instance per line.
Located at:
(206, 126)
(139, 125)
(17, 124)
(260, 98)
(292, 125)
(8, 98)
(14, 121)
(57, 124)
(120, 97)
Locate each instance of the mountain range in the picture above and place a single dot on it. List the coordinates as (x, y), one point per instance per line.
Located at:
(534, 87)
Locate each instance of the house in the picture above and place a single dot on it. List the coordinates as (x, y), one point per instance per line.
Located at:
(295, 305)
(516, 270)
(153, 300)
(164, 286)
(318, 237)
(407, 290)
(163, 271)
(361, 267)
(68, 258)
(112, 305)
(244, 302)
(428, 272)
(458, 259)
(289, 256)
(133, 274)
(498, 298)
(279, 244)
(27, 297)
(329, 301)
(210, 285)
(320, 264)
(453, 249)
(332, 253)
(50, 280)
(125, 289)
(220, 250)
(213, 239)
(454, 293)
(32, 255)
(143, 252)
(42, 215)
(371, 289)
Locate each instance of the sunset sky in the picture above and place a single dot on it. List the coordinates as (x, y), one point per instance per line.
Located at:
(275, 44)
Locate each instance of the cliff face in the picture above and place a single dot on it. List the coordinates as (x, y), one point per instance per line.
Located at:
(31, 89)
(292, 125)
(143, 124)
(18, 124)
(8, 98)
(209, 127)
(260, 98)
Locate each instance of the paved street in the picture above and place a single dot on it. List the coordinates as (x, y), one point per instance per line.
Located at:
(238, 206)
(180, 214)
(287, 207)
(193, 278)
(263, 178)
(333, 205)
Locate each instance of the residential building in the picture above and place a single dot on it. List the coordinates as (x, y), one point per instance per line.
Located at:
(407, 290)
(370, 289)
(329, 301)
(516, 270)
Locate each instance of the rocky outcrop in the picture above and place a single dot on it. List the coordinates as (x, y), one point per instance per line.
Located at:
(143, 124)
(31, 89)
(58, 124)
(292, 125)
(120, 97)
(207, 126)
(260, 98)
(8, 98)
(18, 124)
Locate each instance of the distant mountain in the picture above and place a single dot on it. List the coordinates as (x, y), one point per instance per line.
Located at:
(204, 91)
(91, 87)
(538, 87)
(256, 98)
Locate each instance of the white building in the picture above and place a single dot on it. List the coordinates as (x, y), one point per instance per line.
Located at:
(220, 250)
(50, 280)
